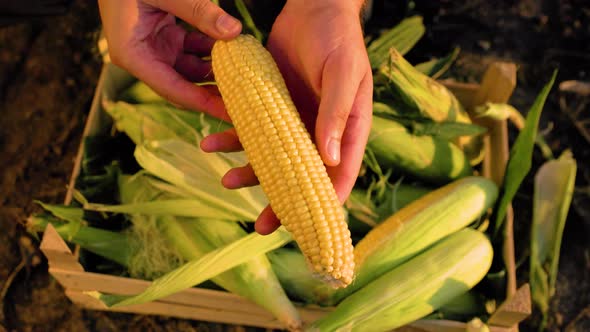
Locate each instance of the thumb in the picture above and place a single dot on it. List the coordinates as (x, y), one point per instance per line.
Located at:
(203, 15)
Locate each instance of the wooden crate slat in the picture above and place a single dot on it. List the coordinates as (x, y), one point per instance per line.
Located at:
(465, 92)
(57, 251)
(497, 86)
(515, 309)
(442, 325)
(127, 286)
(179, 310)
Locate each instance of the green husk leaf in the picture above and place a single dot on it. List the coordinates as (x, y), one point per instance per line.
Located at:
(424, 126)
(198, 173)
(294, 274)
(140, 93)
(144, 122)
(446, 130)
(73, 215)
(437, 67)
(208, 266)
(553, 191)
(114, 246)
(401, 37)
(247, 19)
(165, 207)
(418, 94)
(521, 154)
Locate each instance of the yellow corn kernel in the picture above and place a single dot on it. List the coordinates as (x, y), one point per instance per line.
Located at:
(283, 156)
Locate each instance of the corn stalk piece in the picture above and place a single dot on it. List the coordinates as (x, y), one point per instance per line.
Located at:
(283, 156)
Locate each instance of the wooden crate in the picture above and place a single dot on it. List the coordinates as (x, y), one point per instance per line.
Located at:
(218, 306)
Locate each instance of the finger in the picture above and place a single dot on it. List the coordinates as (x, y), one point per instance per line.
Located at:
(226, 141)
(354, 140)
(198, 43)
(267, 222)
(202, 14)
(169, 84)
(341, 77)
(193, 68)
(240, 177)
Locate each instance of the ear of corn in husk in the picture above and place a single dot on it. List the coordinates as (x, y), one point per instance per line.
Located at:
(423, 95)
(425, 157)
(554, 186)
(421, 223)
(416, 288)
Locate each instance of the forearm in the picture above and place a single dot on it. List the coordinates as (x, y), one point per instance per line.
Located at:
(354, 5)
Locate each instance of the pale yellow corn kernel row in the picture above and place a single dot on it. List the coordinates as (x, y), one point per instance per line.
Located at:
(283, 156)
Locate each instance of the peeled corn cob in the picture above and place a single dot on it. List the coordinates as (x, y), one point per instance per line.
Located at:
(283, 157)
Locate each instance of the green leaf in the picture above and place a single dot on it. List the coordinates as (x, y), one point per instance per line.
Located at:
(436, 67)
(70, 214)
(111, 245)
(401, 37)
(200, 270)
(420, 125)
(521, 154)
(446, 130)
(554, 186)
(199, 174)
(166, 207)
(247, 19)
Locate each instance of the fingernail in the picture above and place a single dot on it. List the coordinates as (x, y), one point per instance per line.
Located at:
(334, 150)
(226, 23)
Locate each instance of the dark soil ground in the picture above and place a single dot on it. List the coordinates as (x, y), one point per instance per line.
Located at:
(49, 68)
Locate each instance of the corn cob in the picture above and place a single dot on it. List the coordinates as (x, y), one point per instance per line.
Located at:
(415, 289)
(283, 156)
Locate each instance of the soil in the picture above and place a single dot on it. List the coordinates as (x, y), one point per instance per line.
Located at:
(49, 67)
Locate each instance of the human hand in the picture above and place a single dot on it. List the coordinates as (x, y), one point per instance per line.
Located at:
(320, 51)
(145, 40)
